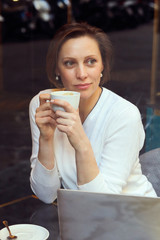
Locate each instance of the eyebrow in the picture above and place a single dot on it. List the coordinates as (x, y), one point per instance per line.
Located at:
(89, 56)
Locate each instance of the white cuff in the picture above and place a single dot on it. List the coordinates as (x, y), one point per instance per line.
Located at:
(96, 185)
(43, 175)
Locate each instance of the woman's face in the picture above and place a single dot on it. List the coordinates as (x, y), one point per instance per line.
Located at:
(80, 65)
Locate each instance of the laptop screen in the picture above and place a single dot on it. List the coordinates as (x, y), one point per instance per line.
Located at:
(98, 216)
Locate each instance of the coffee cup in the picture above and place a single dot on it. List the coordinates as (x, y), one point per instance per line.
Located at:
(69, 96)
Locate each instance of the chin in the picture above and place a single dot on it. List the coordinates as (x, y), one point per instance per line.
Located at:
(85, 95)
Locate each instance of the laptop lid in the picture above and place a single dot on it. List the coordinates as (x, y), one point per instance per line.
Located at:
(101, 216)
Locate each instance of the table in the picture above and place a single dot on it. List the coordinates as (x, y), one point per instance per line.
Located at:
(31, 210)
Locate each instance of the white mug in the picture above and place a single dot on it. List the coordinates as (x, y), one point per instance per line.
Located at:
(69, 96)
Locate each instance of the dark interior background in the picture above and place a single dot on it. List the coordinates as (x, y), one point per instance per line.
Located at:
(24, 42)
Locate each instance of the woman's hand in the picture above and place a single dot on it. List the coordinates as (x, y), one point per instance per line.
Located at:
(70, 123)
(45, 117)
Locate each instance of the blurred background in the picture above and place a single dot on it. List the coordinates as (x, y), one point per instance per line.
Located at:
(26, 28)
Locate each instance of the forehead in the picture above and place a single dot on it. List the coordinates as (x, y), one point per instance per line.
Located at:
(83, 44)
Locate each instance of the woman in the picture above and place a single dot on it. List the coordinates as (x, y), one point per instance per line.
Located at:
(95, 148)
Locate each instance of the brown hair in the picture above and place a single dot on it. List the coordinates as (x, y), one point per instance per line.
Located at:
(75, 30)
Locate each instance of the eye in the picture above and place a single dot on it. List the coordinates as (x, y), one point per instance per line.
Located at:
(91, 61)
(68, 63)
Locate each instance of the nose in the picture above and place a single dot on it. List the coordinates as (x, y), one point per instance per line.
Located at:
(81, 72)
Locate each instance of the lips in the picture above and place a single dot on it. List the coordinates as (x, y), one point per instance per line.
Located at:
(83, 86)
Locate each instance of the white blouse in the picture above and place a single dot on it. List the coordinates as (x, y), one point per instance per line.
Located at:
(116, 133)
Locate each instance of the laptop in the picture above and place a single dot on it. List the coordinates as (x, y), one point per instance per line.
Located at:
(101, 216)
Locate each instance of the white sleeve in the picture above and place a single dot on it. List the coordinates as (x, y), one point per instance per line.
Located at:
(124, 137)
(44, 182)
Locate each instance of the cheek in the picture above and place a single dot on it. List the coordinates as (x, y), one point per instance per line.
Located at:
(66, 77)
(96, 74)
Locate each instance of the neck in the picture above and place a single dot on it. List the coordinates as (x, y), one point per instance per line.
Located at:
(86, 105)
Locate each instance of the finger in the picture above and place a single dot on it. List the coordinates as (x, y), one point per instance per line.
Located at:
(45, 120)
(65, 122)
(46, 113)
(44, 97)
(61, 103)
(66, 129)
(44, 106)
(62, 114)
